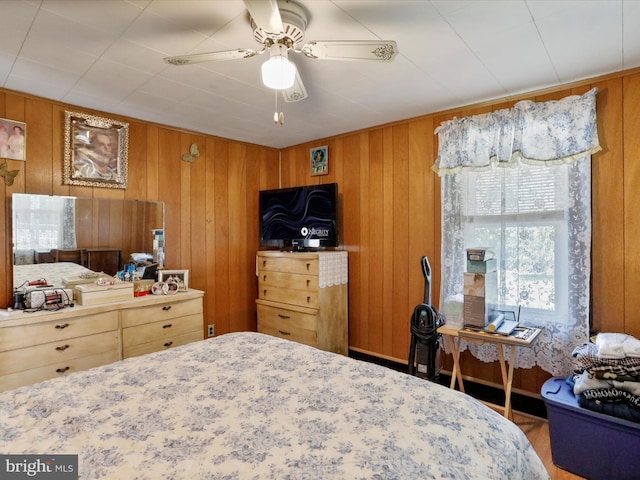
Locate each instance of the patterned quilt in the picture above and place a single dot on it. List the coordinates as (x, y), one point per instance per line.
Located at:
(250, 406)
(53, 273)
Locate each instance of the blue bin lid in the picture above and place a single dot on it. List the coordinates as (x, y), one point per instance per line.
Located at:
(555, 390)
(557, 393)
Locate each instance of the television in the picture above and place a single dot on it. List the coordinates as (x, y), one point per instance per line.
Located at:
(299, 218)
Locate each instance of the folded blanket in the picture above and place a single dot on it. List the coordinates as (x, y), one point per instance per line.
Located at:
(588, 381)
(617, 345)
(611, 402)
(587, 357)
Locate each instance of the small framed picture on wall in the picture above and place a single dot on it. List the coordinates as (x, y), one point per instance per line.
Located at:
(319, 160)
(12, 139)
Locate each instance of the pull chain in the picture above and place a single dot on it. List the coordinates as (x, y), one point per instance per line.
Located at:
(277, 117)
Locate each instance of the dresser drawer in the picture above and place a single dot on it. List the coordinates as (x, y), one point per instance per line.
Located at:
(21, 336)
(288, 264)
(308, 283)
(290, 324)
(157, 345)
(152, 313)
(163, 330)
(63, 351)
(291, 297)
(58, 369)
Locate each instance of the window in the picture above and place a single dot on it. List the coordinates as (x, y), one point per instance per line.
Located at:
(521, 213)
(42, 223)
(537, 219)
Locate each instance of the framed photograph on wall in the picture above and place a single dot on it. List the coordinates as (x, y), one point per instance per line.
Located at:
(13, 139)
(96, 151)
(178, 277)
(319, 160)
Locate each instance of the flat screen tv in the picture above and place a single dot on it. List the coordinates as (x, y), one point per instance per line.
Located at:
(299, 218)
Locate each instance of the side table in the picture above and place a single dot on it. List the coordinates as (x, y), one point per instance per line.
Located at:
(501, 342)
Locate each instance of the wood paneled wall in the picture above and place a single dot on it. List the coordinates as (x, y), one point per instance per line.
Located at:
(391, 217)
(389, 210)
(211, 204)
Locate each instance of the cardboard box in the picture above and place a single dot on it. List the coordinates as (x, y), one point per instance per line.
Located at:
(482, 266)
(481, 285)
(142, 287)
(587, 443)
(78, 280)
(480, 298)
(474, 312)
(73, 282)
(479, 253)
(92, 294)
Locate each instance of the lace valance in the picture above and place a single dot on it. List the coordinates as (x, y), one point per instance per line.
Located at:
(558, 131)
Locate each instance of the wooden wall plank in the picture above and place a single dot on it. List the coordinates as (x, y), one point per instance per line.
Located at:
(631, 125)
(375, 242)
(608, 223)
(221, 265)
(183, 169)
(399, 300)
(198, 263)
(210, 286)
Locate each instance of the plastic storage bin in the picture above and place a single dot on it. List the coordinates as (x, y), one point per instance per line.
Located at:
(588, 443)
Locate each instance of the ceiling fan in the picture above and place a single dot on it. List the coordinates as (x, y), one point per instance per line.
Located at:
(279, 25)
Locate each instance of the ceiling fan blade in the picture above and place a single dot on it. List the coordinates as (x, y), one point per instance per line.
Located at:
(297, 92)
(266, 15)
(211, 56)
(377, 50)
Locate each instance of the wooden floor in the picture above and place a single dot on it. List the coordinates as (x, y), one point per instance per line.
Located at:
(537, 431)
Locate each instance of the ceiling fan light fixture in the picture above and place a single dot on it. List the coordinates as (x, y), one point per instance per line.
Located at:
(278, 72)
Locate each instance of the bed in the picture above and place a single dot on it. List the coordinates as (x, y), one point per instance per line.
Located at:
(53, 273)
(246, 405)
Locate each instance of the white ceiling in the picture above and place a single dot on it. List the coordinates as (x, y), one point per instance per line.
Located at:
(107, 55)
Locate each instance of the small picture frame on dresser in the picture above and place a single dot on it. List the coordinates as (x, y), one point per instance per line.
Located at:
(179, 277)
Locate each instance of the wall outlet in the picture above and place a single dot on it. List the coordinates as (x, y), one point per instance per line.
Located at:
(211, 330)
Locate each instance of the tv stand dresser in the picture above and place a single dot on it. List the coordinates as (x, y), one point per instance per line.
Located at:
(38, 346)
(304, 297)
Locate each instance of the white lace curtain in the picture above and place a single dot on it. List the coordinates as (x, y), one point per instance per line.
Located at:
(559, 135)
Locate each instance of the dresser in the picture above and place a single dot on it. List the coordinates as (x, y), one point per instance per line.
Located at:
(156, 327)
(303, 297)
(43, 345)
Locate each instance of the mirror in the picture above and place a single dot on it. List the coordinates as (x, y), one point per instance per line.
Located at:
(107, 231)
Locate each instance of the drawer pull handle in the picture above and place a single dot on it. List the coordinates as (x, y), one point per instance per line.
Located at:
(62, 326)
(264, 278)
(168, 344)
(308, 266)
(166, 308)
(264, 292)
(62, 370)
(168, 325)
(284, 316)
(308, 299)
(282, 332)
(308, 283)
(62, 348)
(264, 263)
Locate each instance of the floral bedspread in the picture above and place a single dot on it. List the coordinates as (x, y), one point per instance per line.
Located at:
(250, 406)
(53, 273)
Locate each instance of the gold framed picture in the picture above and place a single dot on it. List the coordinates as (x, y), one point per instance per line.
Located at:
(319, 160)
(13, 139)
(96, 151)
